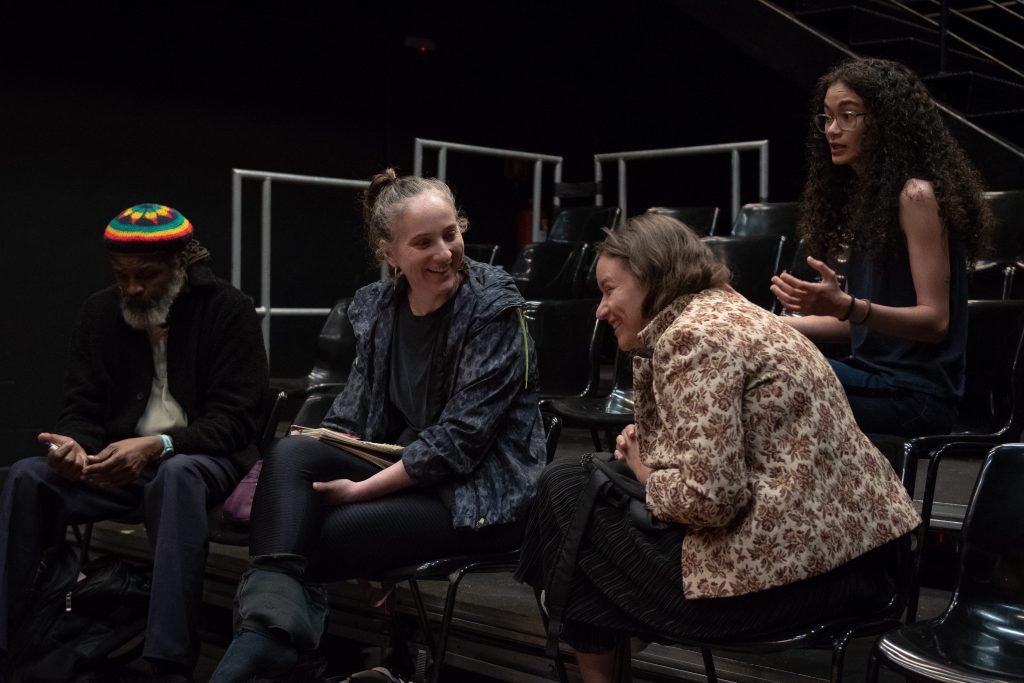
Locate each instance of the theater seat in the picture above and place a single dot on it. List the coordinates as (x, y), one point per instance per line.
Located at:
(332, 360)
(583, 223)
(753, 261)
(980, 636)
(701, 219)
(550, 270)
(484, 253)
(997, 275)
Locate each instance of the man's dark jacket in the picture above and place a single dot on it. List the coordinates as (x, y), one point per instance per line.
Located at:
(216, 371)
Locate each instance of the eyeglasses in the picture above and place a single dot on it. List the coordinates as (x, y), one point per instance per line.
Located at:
(847, 120)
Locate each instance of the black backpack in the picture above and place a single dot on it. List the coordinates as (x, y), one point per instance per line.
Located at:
(82, 618)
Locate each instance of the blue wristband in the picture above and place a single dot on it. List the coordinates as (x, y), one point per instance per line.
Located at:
(168, 450)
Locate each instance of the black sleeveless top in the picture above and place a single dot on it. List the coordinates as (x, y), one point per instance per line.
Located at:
(936, 369)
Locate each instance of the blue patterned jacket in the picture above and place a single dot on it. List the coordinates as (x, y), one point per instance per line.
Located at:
(488, 441)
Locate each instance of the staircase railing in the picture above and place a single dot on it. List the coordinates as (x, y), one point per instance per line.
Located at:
(945, 34)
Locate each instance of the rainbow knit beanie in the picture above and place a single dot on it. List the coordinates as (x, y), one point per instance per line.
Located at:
(148, 228)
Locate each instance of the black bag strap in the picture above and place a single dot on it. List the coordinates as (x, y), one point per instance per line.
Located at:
(612, 481)
(565, 562)
(619, 475)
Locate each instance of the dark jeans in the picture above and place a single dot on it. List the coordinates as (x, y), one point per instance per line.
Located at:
(171, 499)
(882, 409)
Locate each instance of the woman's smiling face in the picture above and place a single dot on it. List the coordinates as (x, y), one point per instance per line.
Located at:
(426, 246)
(622, 300)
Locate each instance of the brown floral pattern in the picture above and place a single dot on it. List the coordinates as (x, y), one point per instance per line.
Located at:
(753, 446)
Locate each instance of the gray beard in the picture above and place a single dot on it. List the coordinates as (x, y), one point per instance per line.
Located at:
(155, 315)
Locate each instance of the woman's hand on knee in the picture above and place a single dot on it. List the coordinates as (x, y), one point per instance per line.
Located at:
(338, 491)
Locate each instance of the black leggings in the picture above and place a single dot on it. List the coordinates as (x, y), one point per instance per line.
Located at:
(359, 539)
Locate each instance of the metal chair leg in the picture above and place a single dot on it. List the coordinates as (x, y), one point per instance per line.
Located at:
(839, 656)
(84, 542)
(446, 619)
(563, 675)
(421, 611)
(709, 665)
(927, 503)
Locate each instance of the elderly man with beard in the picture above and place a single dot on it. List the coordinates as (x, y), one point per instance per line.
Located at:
(161, 406)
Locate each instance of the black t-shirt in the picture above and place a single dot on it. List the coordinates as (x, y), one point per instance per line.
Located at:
(417, 384)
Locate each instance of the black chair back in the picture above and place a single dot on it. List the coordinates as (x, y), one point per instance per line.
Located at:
(990, 588)
(552, 431)
(620, 398)
(753, 261)
(770, 218)
(979, 636)
(484, 253)
(993, 401)
(273, 401)
(1008, 223)
(335, 348)
(549, 270)
(798, 263)
(564, 332)
(997, 275)
(314, 408)
(701, 219)
(583, 223)
(767, 218)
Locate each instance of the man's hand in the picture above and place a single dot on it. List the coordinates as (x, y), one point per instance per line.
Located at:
(121, 462)
(627, 449)
(66, 459)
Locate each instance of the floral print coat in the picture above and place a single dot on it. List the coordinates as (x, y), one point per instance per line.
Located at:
(753, 447)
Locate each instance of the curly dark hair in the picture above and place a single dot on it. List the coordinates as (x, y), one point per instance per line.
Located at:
(904, 138)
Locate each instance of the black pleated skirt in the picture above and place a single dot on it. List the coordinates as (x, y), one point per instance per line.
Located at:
(627, 580)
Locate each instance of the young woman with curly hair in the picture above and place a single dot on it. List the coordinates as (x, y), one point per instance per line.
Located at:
(888, 186)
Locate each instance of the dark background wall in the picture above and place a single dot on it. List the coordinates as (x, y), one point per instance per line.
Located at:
(108, 104)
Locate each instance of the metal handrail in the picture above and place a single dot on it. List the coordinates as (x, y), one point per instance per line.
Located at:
(987, 29)
(734, 148)
(990, 57)
(1006, 9)
(537, 159)
(238, 174)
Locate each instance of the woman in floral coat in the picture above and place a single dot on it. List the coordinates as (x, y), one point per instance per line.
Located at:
(784, 511)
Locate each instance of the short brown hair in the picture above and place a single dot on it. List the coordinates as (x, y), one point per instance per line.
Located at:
(666, 257)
